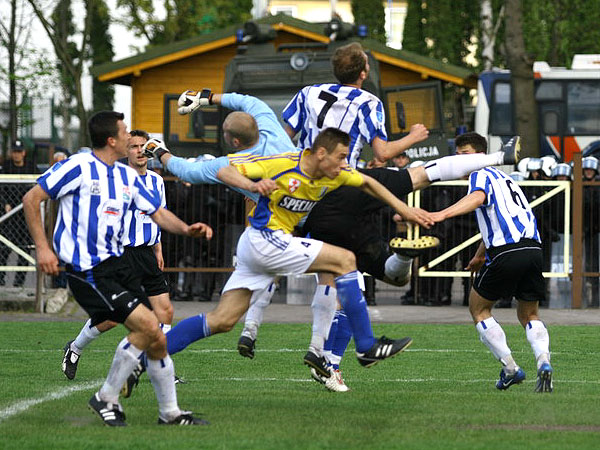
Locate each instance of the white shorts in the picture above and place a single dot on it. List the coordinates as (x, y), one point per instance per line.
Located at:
(264, 254)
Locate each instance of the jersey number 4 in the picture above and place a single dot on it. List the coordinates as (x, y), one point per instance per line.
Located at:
(329, 100)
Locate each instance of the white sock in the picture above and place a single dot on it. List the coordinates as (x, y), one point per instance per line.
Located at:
(124, 361)
(162, 376)
(458, 166)
(87, 334)
(538, 337)
(397, 268)
(492, 335)
(323, 309)
(165, 327)
(254, 316)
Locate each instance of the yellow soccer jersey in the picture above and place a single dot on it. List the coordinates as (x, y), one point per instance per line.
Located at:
(297, 193)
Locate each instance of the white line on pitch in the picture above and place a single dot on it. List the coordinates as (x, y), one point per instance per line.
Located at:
(24, 405)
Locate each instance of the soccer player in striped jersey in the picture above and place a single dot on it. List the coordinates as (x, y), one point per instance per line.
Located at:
(348, 107)
(509, 262)
(143, 252)
(94, 192)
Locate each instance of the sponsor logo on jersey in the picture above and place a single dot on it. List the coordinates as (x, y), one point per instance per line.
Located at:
(112, 211)
(293, 185)
(95, 188)
(126, 194)
(297, 205)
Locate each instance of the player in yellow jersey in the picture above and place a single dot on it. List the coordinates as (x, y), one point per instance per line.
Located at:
(289, 186)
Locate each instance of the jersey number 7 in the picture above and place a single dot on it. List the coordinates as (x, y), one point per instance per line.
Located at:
(329, 100)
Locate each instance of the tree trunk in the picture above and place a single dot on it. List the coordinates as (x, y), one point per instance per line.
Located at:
(12, 67)
(487, 37)
(523, 93)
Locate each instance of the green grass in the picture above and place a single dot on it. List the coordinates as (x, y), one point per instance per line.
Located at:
(439, 394)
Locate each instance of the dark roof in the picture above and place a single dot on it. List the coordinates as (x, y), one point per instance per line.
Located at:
(120, 71)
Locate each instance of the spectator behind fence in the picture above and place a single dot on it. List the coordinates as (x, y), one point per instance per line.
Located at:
(14, 228)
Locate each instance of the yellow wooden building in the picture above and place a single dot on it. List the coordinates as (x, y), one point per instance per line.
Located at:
(200, 62)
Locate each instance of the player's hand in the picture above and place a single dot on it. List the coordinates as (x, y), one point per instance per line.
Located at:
(160, 260)
(190, 100)
(199, 229)
(418, 216)
(476, 263)
(419, 132)
(154, 148)
(264, 187)
(438, 216)
(47, 261)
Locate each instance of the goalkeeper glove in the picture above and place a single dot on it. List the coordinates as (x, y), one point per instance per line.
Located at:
(190, 101)
(155, 148)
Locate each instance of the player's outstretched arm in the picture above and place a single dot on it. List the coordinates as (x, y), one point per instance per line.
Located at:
(46, 259)
(385, 150)
(414, 215)
(173, 224)
(465, 205)
(230, 176)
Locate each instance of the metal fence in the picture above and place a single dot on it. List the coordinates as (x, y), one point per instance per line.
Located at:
(197, 269)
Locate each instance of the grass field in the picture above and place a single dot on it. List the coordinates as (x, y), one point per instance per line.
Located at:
(438, 394)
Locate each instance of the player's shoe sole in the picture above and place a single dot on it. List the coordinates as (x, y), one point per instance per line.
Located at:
(413, 247)
(246, 346)
(512, 150)
(384, 348)
(184, 419)
(318, 363)
(70, 361)
(507, 381)
(544, 379)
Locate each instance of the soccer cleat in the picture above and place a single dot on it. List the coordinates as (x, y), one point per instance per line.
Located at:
(246, 346)
(69, 362)
(185, 418)
(544, 378)
(132, 380)
(413, 247)
(512, 150)
(335, 382)
(382, 349)
(315, 376)
(179, 380)
(318, 363)
(111, 414)
(507, 381)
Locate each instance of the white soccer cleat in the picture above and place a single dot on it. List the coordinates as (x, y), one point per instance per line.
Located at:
(335, 382)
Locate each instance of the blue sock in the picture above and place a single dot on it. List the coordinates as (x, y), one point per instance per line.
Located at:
(355, 307)
(342, 337)
(186, 332)
(328, 346)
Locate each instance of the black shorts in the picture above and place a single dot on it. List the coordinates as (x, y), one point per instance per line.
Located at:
(109, 291)
(514, 269)
(344, 218)
(145, 267)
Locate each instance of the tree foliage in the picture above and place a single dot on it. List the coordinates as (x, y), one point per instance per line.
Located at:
(183, 18)
(101, 51)
(372, 14)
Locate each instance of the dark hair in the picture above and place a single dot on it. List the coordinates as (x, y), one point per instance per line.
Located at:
(103, 125)
(348, 62)
(329, 139)
(477, 141)
(139, 133)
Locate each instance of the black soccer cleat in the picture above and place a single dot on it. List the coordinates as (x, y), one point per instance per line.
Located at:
(412, 248)
(318, 363)
(132, 380)
(185, 418)
(112, 415)
(512, 150)
(69, 362)
(245, 347)
(382, 349)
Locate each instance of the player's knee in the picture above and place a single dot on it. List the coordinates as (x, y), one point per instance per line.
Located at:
(220, 323)
(164, 314)
(347, 261)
